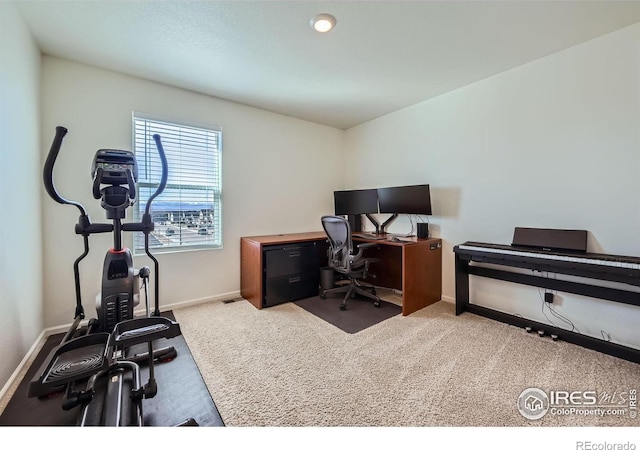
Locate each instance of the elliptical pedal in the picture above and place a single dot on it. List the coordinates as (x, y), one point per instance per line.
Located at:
(75, 360)
(144, 329)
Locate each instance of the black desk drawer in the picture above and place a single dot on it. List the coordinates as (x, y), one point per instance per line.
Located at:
(280, 261)
(291, 287)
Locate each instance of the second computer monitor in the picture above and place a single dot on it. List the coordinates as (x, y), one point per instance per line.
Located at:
(405, 199)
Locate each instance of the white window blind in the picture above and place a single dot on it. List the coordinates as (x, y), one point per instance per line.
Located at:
(188, 214)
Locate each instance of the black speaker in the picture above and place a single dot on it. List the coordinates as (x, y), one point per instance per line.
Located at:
(423, 230)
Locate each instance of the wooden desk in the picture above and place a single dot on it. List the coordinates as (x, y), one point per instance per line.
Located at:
(413, 267)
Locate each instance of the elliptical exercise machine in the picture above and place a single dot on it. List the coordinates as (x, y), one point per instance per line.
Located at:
(92, 363)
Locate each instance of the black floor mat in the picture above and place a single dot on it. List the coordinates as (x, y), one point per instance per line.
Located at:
(360, 312)
(182, 394)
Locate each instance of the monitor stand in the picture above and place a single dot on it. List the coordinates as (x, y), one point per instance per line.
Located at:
(375, 223)
(355, 223)
(383, 227)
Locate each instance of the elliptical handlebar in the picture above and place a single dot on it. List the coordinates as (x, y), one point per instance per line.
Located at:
(146, 220)
(47, 172)
(165, 172)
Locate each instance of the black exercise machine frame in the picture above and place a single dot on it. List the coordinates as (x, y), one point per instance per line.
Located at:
(96, 353)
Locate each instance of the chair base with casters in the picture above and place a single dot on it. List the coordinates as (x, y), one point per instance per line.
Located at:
(351, 290)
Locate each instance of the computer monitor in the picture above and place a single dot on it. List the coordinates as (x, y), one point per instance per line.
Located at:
(353, 203)
(396, 200)
(405, 199)
(359, 201)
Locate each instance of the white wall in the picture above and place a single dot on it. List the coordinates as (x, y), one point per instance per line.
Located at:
(20, 181)
(551, 144)
(278, 177)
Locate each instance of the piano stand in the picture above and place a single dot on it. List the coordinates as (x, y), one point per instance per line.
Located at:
(463, 269)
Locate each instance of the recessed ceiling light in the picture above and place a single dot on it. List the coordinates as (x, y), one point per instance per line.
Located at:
(323, 23)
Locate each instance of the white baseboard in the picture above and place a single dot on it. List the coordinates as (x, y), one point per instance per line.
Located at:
(448, 299)
(14, 380)
(16, 377)
(215, 298)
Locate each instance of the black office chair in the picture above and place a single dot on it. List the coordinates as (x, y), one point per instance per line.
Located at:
(343, 260)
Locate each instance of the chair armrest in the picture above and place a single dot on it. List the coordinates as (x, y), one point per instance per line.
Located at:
(366, 245)
(361, 248)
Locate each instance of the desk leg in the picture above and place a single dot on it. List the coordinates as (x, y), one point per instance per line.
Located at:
(421, 276)
(462, 285)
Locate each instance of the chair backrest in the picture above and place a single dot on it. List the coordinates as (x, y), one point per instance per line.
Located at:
(339, 234)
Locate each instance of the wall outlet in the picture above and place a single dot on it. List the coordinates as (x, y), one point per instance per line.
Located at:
(548, 297)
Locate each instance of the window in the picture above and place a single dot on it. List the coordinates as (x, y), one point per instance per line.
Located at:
(188, 214)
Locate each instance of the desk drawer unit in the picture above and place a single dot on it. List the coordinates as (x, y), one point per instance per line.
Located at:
(291, 287)
(291, 272)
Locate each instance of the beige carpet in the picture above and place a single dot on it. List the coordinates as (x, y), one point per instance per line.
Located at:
(282, 366)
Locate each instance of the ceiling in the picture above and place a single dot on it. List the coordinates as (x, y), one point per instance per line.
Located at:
(382, 56)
